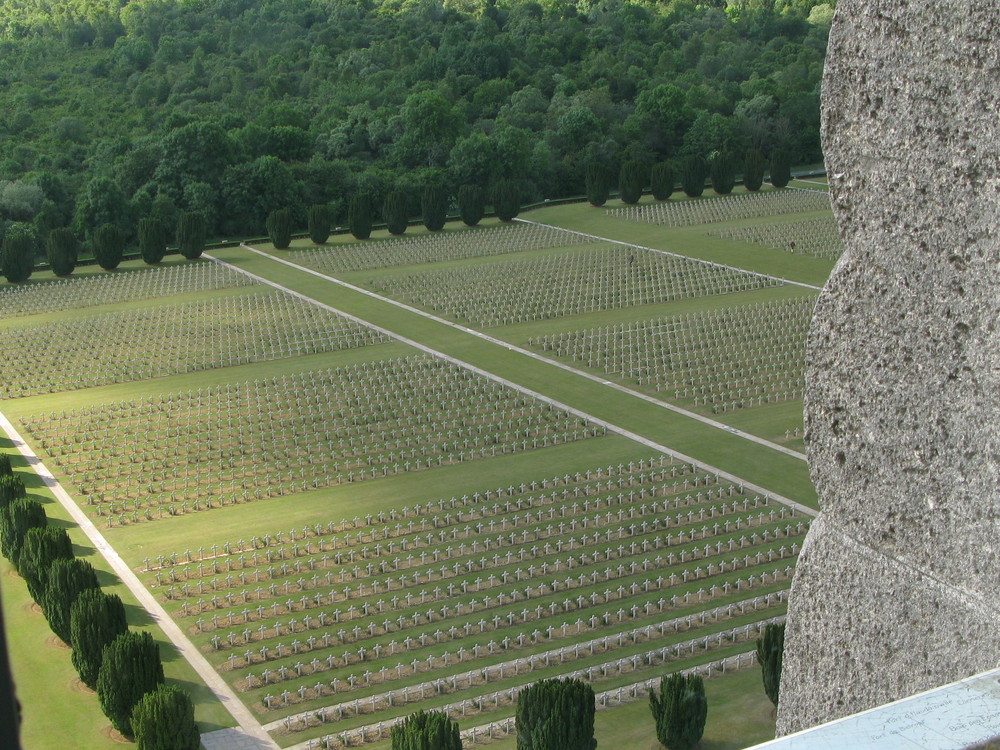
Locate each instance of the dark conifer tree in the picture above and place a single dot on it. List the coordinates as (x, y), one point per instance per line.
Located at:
(17, 254)
(61, 250)
(556, 715)
(11, 488)
(6, 469)
(471, 204)
(693, 176)
(679, 711)
(434, 207)
(42, 546)
(662, 180)
(163, 719)
(191, 231)
(67, 579)
(109, 246)
(631, 181)
(152, 240)
(426, 730)
(95, 620)
(359, 216)
(506, 200)
(395, 212)
(753, 170)
(597, 184)
(16, 518)
(781, 169)
(130, 668)
(279, 228)
(319, 223)
(770, 651)
(723, 173)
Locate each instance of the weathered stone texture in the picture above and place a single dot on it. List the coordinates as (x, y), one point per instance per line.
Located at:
(897, 589)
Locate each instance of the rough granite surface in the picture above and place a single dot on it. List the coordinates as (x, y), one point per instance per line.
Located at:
(896, 590)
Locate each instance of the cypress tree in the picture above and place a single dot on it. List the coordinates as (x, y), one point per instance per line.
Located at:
(679, 711)
(471, 204)
(11, 488)
(130, 668)
(662, 180)
(781, 169)
(426, 730)
(556, 715)
(359, 216)
(16, 518)
(61, 250)
(17, 254)
(506, 200)
(95, 620)
(693, 176)
(319, 223)
(631, 181)
(41, 548)
(723, 173)
(67, 579)
(191, 231)
(152, 241)
(770, 651)
(109, 246)
(279, 228)
(434, 207)
(5, 468)
(395, 212)
(753, 170)
(597, 184)
(163, 719)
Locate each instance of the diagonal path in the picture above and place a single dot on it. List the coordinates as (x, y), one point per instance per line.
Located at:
(607, 425)
(250, 735)
(535, 355)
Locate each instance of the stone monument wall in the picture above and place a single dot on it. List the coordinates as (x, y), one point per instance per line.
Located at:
(897, 586)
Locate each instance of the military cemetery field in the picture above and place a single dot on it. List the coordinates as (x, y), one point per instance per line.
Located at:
(416, 472)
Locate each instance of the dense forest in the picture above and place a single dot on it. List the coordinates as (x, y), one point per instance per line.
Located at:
(113, 111)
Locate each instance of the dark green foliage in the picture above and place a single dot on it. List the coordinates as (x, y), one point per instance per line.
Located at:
(556, 715)
(16, 518)
(279, 228)
(770, 650)
(319, 223)
(152, 240)
(471, 204)
(426, 730)
(130, 668)
(781, 169)
(753, 170)
(109, 246)
(506, 200)
(95, 620)
(163, 719)
(61, 250)
(434, 206)
(191, 229)
(359, 216)
(42, 546)
(598, 184)
(723, 173)
(693, 176)
(17, 254)
(5, 467)
(11, 488)
(631, 181)
(662, 180)
(395, 211)
(679, 711)
(67, 579)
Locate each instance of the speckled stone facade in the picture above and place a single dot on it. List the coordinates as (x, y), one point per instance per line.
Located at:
(897, 586)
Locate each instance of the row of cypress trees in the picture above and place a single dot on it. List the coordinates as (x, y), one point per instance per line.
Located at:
(691, 172)
(17, 253)
(122, 665)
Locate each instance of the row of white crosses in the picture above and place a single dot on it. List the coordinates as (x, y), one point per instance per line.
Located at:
(758, 348)
(491, 701)
(725, 208)
(436, 248)
(301, 431)
(122, 346)
(122, 286)
(283, 662)
(818, 237)
(589, 279)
